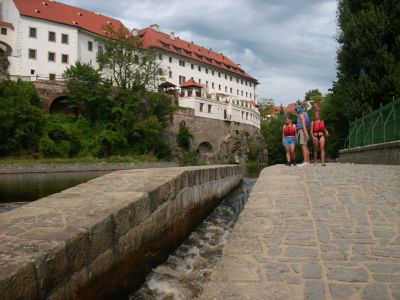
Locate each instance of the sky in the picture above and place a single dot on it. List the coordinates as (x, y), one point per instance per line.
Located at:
(288, 45)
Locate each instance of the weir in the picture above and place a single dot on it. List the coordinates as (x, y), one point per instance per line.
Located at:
(99, 239)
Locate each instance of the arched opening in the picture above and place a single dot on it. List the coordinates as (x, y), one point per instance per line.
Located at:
(58, 106)
(205, 147)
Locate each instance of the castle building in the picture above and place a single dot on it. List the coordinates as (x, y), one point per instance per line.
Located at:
(41, 38)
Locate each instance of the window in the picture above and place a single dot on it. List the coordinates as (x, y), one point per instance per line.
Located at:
(237, 80)
(246, 94)
(241, 81)
(199, 80)
(206, 83)
(219, 87)
(52, 56)
(160, 56)
(170, 74)
(52, 36)
(199, 69)
(242, 114)
(250, 84)
(241, 93)
(32, 32)
(32, 72)
(90, 46)
(64, 58)
(201, 106)
(52, 77)
(247, 115)
(231, 78)
(246, 82)
(226, 89)
(251, 95)
(64, 38)
(238, 92)
(100, 49)
(192, 66)
(212, 84)
(206, 71)
(212, 72)
(219, 74)
(182, 79)
(3, 31)
(32, 53)
(209, 108)
(181, 63)
(231, 90)
(226, 76)
(170, 60)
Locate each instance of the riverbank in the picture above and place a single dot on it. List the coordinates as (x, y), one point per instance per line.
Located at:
(20, 168)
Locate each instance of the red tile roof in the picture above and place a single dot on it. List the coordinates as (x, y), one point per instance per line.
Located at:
(66, 14)
(161, 40)
(191, 83)
(290, 107)
(6, 24)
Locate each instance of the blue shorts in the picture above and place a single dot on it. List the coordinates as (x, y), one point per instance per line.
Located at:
(289, 140)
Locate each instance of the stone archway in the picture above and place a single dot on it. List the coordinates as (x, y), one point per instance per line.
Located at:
(58, 106)
(205, 148)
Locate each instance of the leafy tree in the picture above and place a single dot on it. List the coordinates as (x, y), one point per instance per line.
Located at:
(368, 63)
(87, 91)
(184, 138)
(21, 118)
(314, 96)
(271, 129)
(266, 108)
(127, 62)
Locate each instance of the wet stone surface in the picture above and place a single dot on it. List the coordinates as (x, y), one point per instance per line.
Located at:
(327, 233)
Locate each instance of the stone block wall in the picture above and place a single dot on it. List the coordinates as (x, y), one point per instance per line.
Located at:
(99, 239)
(382, 154)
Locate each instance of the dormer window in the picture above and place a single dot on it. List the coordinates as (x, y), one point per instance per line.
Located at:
(37, 11)
(79, 14)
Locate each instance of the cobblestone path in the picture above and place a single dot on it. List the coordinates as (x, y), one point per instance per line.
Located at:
(315, 233)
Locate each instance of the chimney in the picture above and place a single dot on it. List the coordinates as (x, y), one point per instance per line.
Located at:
(135, 32)
(239, 65)
(172, 35)
(155, 27)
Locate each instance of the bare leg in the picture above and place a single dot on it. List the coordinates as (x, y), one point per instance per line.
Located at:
(292, 147)
(287, 147)
(315, 142)
(322, 146)
(306, 154)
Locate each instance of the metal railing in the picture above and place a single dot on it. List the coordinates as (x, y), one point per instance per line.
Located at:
(379, 126)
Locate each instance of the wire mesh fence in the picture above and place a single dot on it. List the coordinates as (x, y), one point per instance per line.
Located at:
(379, 126)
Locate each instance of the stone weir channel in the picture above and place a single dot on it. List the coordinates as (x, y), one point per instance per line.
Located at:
(98, 240)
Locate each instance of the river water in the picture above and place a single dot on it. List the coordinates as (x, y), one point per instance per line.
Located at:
(188, 268)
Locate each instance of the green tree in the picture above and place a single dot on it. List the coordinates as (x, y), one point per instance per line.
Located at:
(271, 129)
(87, 91)
(266, 108)
(21, 118)
(130, 65)
(184, 138)
(314, 96)
(368, 62)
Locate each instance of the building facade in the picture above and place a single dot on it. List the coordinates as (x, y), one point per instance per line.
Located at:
(43, 37)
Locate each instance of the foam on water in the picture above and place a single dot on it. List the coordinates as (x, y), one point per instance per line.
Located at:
(189, 267)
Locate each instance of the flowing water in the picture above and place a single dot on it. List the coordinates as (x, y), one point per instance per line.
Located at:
(188, 268)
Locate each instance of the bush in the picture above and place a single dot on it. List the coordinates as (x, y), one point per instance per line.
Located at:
(109, 143)
(21, 118)
(61, 138)
(184, 138)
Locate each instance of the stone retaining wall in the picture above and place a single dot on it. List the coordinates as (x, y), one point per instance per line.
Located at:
(382, 154)
(99, 239)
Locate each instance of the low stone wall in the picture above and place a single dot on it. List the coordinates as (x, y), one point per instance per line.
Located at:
(382, 154)
(77, 167)
(99, 239)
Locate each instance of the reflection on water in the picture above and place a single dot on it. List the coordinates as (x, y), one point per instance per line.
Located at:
(188, 268)
(29, 187)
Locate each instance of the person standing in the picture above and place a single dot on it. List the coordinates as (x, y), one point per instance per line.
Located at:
(303, 123)
(319, 133)
(289, 140)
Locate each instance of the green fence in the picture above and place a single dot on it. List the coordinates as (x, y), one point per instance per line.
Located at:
(380, 126)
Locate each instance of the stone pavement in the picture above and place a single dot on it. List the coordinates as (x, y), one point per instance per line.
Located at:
(315, 233)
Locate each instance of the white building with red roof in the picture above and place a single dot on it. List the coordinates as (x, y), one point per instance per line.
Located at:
(44, 37)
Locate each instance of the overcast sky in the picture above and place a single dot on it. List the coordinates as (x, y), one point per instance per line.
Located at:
(288, 45)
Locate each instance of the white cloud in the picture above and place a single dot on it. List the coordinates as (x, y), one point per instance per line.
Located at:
(288, 45)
